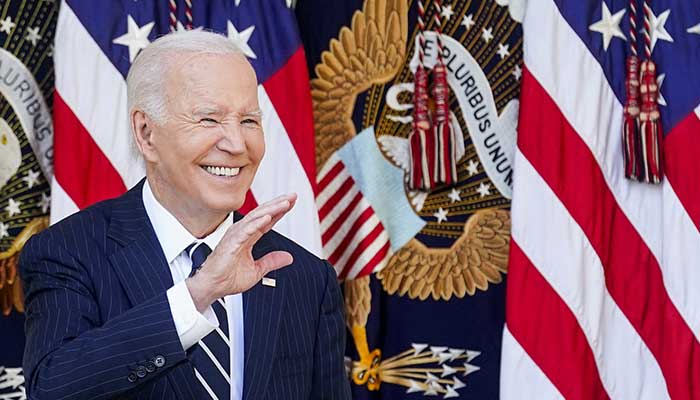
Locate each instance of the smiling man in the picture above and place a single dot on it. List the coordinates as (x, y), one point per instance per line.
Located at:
(166, 292)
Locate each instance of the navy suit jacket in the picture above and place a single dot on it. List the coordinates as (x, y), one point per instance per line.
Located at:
(95, 292)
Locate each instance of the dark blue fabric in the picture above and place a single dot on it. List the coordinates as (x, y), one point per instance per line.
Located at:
(198, 253)
(98, 317)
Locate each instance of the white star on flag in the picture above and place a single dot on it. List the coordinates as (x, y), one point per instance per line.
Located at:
(609, 26)
(517, 72)
(693, 29)
(454, 195)
(487, 34)
(468, 21)
(45, 202)
(446, 12)
(136, 38)
(472, 167)
(12, 207)
(441, 215)
(658, 28)
(660, 81)
(32, 178)
(241, 38)
(3, 230)
(484, 190)
(6, 25)
(33, 35)
(503, 50)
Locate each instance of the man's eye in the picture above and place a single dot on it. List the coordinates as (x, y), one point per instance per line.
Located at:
(208, 121)
(249, 121)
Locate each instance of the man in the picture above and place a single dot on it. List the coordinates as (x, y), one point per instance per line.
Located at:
(158, 293)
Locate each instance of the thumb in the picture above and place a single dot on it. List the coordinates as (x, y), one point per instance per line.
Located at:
(273, 260)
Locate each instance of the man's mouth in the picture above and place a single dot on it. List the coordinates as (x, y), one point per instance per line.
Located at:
(221, 171)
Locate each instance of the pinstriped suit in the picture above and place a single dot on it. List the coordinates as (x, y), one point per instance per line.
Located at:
(95, 288)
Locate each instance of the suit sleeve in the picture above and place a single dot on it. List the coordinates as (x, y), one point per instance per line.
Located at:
(330, 381)
(69, 352)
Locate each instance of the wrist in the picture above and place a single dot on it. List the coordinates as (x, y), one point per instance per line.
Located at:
(200, 291)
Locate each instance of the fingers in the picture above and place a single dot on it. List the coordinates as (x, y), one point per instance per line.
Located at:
(273, 204)
(273, 261)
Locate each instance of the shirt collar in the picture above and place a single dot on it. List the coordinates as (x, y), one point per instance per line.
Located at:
(172, 236)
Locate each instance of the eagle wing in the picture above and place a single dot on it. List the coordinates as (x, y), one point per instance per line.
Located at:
(11, 294)
(477, 258)
(371, 51)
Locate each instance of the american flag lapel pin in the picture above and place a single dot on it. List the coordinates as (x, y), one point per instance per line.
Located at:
(269, 282)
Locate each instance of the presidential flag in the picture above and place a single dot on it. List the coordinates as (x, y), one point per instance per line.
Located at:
(427, 90)
(26, 158)
(602, 298)
(96, 42)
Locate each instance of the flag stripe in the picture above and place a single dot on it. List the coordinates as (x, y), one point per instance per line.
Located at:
(340, 243)
(295, 114)
(61, 204)
(562, 254)
(366, 249)
(558, 59)
(682, 167)
(563, 354)
(525, 380)
(335, 197)
(330, 174)
(281, 172)
(100, 105)
(342, 219)
(558, 154)
(375, 263)
(75, 150)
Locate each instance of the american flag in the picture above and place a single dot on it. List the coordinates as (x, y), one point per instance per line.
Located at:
(603, 296)
(95, 45)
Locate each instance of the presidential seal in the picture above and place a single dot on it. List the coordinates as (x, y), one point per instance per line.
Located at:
(414, 187)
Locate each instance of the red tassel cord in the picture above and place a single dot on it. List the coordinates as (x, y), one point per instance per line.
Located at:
(630, 127)
(651, 131)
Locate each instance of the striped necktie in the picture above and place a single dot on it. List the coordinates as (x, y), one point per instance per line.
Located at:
(211, 355)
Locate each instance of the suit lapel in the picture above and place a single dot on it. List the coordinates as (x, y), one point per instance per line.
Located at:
(262, 310)
(142, 268)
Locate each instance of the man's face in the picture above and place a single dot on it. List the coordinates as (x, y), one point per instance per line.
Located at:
(206, 153)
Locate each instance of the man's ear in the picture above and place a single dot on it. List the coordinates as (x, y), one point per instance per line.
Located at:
(142, 129)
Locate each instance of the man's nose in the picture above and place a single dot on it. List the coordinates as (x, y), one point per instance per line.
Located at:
(233, 140)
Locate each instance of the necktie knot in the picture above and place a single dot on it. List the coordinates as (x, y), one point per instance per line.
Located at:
(198, 253)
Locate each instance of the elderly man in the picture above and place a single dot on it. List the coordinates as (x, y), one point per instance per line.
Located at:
(166, 292)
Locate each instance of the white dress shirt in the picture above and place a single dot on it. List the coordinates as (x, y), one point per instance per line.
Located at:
(191, 325)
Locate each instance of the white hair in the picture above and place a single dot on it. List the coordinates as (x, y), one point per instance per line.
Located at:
(145, 83)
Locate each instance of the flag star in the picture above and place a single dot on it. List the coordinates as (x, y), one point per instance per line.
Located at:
(517, 72)
(454, 195)
(468, 21)
(447, 12)
(238, 3)
(472, 167)
(241, 38)
(503, 50)
(484, 190)
(3, 230)
(658, 28)
(487, 34)
(136, 38)
(13, 207)
(693, 29)
(609, 26)
(660, 81)
(32, 178)
(45, 202)
(6, 25)
(33, 35)
(441, 215)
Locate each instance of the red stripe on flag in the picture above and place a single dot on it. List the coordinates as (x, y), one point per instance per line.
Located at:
(364, 244)
(330, 232)
(632, 274)
(369, 267)
(290, 93)
(682, 166)
(249, 204)
(81, 168)
(330, 175)
(350, 235)
(333, 200)
(548, 331)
